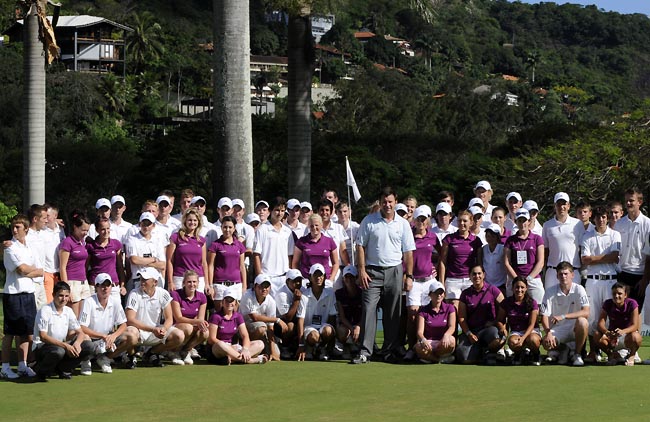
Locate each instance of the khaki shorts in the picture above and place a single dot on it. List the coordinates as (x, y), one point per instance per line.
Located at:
(79, 290)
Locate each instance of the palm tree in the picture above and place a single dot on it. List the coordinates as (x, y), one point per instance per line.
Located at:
(233, 152)
(144, 43)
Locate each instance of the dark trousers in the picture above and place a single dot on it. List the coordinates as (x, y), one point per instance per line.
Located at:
(633, 281)
(386, 290)
(51, 359)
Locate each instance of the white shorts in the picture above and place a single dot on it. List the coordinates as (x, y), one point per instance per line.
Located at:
(598, 292)
(220, 289)
(178, 282)
(319, 328)
(419, 293)
(147, 338)
(39, 295)
(520, 333)
(455, 286)
(79, 290)
(536, 290)
(564, 331)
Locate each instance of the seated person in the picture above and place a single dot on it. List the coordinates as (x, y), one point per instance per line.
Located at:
(188, 308)
(59, 343)
(290, 305)
(104, 321)
(624, 323)
(477, 314)
(259, 311)
(436, 326)
(316, 329)
(565, 310)
(225, 325)
(348, 305)
(518, 313)
(146, 308)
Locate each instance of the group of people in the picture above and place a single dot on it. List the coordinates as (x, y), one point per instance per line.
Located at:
(292, 281)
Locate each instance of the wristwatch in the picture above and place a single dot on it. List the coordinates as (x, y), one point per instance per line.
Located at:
(409, 276)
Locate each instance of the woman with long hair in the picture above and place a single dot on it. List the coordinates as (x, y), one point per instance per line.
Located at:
(72, 258)
(187, 251)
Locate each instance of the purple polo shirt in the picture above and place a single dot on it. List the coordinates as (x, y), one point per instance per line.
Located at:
(620, 317)
(424, 248)
(506, 234)
(481, 306)
(188, 254)
(189, 307)
(530, 245)
(461, 254)
(318, 252)
(351, 306)
(227, 327)
(436, 323)
(227, 260)
(103, 259)
(518, 315)
(76, 267)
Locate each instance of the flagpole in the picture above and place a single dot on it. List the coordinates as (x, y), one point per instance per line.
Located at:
(351, 254)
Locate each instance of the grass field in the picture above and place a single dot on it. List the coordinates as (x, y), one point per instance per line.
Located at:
(325, 391)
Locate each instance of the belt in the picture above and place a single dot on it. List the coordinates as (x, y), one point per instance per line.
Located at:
(602, 277)
(550, 266)
(225, 283)
(377, 267)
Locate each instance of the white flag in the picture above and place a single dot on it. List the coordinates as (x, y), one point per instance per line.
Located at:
(351, 182)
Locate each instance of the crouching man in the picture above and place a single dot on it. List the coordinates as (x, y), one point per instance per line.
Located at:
(146, 308)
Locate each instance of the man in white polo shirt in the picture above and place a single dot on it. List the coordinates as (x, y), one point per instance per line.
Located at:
(104, 321)
(483, 191)
(148, 309)
(164, 220)
(260, 313)
(384, 241)
(513, 203)
(293, 212)
(564, 311)
(562, 236)
(119, 227)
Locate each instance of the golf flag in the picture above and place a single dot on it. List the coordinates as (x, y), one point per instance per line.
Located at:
(351, 182)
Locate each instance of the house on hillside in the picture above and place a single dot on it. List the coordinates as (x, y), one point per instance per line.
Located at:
(87, 43)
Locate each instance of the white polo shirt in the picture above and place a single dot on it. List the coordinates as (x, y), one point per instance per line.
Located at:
(120, 231)
(103, 320)
(595, 244)
(351, 231)
(319, 309)
(557, 303)
(563, 241)
(443, 233)
(284, 300)
(210, 232)
(52, 239)
(250, 305)
(55, 325)
(299, 230)
(14, 256)
(247, 233)
(274, 247)
(138, 245)
(36, 241)
(494, 264)
(634, 243)
(385, 241)
(168, 228)
(537, 228)
(149, 309)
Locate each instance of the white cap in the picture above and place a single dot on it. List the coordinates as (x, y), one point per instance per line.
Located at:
(251, 218)
(102, 202)
(435, 286)
(261, 278)
(306, 204)
(101, 278)
(117, 198)
(150, 272)
(476, 210)
(293, 274)
(475, 202)
(561, 196)
(444, 207)
(530, 205)
(483, 184)
(224, 202)
(292, 203)
(262, 202)
(238, 202)
(316, 267)
(197, 198)
(515, 195)
(401, 207)
(162, 198)
(350, 269)
(419, 212)
(233, 291)
(147, 216)
(522, 213)
(427, 209)
(494, 228)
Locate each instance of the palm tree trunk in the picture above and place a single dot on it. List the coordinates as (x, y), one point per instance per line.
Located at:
(301, 59)
(33, 113)
(233, 152)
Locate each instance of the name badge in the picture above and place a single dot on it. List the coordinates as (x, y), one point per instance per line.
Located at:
(316, 320)
(522, 258)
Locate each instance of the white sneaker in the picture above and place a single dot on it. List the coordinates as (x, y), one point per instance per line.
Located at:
(26, 371)
(501, 355)
(176, 359)
(324, 356)
(577, 360)
(194, 354)
(552, 356)
(9, 374)
(86, 368)
(105, 364)
(509, 353)
(188, 359)
(338, 349)
(637, 358)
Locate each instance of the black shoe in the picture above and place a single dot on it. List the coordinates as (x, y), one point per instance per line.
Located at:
(155, 361)
(65, 375)
(130, 362)
(391, 358)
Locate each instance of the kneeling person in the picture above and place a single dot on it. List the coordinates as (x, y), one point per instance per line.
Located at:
(290, 304)
(436, 326)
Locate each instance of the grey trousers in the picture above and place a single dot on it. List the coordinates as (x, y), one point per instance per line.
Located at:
(385, 289)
